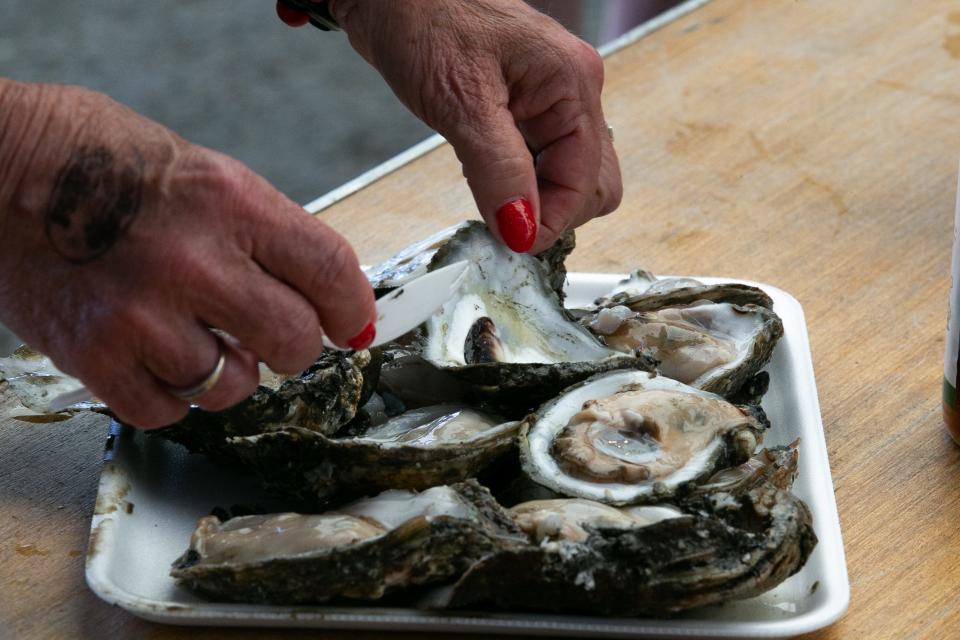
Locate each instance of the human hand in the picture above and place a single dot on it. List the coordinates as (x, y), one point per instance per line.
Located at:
(124, 244)
(516, 95)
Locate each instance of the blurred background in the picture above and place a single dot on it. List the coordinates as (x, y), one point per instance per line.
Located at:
(296, 105)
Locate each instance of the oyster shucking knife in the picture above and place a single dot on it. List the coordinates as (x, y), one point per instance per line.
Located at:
(398, 312)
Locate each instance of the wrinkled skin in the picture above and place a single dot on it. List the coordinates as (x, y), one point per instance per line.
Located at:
(498, 79)
(123, 244)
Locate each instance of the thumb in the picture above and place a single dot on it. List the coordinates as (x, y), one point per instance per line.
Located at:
(501, 174)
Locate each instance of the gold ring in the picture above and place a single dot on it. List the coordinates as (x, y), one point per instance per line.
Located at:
(606, 125)
(192, 393)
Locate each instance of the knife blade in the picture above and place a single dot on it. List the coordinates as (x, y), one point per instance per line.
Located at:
(398, 312)
(410, 305)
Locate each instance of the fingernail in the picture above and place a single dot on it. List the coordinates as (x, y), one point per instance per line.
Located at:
(517, 224)
(363, 339)
(290, 16)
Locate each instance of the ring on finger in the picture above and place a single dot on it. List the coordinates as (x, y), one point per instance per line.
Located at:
(609, 130)
(209, 382)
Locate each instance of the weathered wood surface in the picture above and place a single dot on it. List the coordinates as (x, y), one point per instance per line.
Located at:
(810, 145)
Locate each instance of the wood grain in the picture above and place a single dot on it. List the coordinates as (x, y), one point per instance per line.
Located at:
(810, 145)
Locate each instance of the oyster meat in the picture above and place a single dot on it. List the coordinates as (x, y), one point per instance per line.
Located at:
(713, 346)
(630, 437)
(363, 550)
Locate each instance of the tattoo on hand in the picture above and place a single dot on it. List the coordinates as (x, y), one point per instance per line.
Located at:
(94, 201)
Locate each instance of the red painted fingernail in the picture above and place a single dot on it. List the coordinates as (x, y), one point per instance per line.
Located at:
(517, 224)
(363, 339)
(290, 16)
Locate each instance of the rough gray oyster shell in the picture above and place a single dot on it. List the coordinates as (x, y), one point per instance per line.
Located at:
(364, 550)
(725, 547)
(642, 291)
(321, 399)
(415, 450)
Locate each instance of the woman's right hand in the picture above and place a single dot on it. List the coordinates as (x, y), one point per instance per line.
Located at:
(122, 245)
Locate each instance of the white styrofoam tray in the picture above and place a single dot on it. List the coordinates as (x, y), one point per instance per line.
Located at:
(152, 492)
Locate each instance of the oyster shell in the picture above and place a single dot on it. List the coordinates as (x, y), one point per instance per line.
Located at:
(715, 346)
(629, 437)
(506, 332)
(418, 449)
(642, 291)
(413, 261)
(322, 399)
(723, 548)
(363, 550)
(35, 381)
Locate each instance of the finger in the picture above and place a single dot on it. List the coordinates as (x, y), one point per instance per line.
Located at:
(290, 15)
(264, 314)
(181, 354)
(240, 377)
(499, 169)
(568, 146)
(317, 262)
(610, 183)
(133, 395)
(608, 193)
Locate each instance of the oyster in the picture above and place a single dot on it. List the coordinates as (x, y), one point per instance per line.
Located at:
(323, 398)
(629, 437)
(418, 449)
(506, 332)
(35, 381)
(573, 518)
(775, 465)
(413, 261)
(723, 548)
(714, 346)
(363, 550)
(642, 291)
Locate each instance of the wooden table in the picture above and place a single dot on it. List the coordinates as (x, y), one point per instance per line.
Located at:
(811, 145)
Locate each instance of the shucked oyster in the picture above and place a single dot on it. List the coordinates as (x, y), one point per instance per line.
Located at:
(506, 331)
(363, 550)
(631, 437)
(714, 346)
(415, 450)
(600, 560)
(713, 337)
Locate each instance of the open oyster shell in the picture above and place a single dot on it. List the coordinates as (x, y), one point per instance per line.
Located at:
(35, 381)
(363, 550)
(506, 331)
(415, 450)
(413, 261)
(629, 437)
(714, 346)
(723, 548)
(642, 291)
(713, 337)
